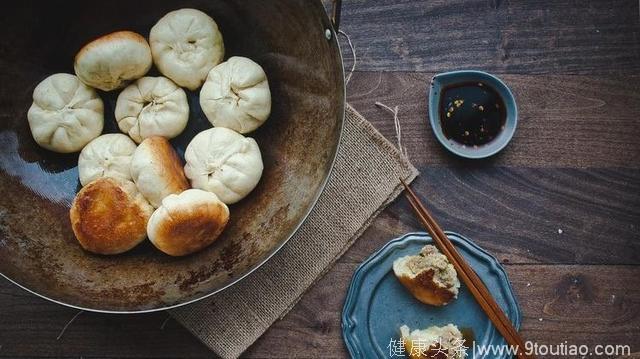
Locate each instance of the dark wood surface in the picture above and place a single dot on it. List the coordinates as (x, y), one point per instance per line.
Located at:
(573, 165)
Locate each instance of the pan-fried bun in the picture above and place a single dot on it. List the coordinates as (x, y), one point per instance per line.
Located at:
(187, 222)
(157, 170)
(186, 44)
(110, 61)
(66, 114)
(109, 216)
(152, 106)
(428, 276)
(434, 342)
(224, 162)
(108, 155)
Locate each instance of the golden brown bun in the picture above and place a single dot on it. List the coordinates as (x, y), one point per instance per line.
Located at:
(425, 289)
(187, 222)
(109, 216)
(108, 39)
(428, 276)
(157, 170)
(112, 60)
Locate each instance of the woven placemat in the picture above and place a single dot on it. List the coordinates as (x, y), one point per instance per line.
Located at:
(365, 179)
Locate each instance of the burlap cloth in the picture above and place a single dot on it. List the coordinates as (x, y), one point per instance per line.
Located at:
(365, 179)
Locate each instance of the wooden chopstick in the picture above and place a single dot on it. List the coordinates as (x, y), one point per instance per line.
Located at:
(443, 241)
(510, 336)
(503, 325)
(468, 275)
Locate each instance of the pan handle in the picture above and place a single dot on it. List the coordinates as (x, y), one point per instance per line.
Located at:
(335, 14)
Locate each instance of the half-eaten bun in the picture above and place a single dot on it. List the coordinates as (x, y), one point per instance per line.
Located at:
(434, 342)
(428, 276)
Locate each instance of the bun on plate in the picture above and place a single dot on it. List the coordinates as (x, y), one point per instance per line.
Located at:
(186, 44)
(106, 156)
(152, 106)
(157, 170)
(66, 114)
(434, 342)
(109, 216)
(110, 61)
(428, 276)
(224, 162)
(187, 222)
(236, 95)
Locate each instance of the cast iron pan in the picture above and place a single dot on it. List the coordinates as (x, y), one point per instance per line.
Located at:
(38, 250)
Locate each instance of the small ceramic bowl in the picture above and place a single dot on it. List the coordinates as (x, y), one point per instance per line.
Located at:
(444, 80)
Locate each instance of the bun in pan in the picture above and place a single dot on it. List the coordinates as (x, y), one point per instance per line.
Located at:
(187, 222)
(109, 216)
(157, 170)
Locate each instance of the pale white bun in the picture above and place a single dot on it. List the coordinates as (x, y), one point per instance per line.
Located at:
(111, 61)
(106, 156)
(187, 222)
(428, 276)
(186, 44)
(224, 162)
(109, 216)
(236, 95)
(66, 114)
(152, 106)
(157, 170)
(433, 342)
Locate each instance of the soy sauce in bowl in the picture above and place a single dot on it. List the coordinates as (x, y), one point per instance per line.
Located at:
(471, 113)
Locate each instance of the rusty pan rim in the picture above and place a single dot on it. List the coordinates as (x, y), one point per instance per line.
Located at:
(314, 201)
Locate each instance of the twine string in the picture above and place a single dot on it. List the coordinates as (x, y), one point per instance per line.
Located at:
(64, 329)
(164, 323)
(394, 111)
(396, 123)
(347, 78)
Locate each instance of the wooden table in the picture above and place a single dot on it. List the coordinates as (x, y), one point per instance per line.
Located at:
(560, 207)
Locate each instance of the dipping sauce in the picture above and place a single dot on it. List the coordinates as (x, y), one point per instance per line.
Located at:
(472, 114)
(468, 336)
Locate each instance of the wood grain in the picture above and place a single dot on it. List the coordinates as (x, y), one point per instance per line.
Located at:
(515, 213)
(564, 121)
(30, 325)
(581, 304)
(517, 217)
(517, 37)
(574, 165)
(587, 304)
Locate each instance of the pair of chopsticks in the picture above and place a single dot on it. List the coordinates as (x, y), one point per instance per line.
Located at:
(469, 277)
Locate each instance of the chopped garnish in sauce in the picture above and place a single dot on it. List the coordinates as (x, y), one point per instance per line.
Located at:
(471, 113)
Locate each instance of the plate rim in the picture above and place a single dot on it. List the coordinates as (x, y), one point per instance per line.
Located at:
(347, 324)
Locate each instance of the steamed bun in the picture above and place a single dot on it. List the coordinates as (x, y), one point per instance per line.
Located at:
(187, 222)
(109, 216)
(236, 95)
(152, 106)
(107, 156)
(66, 114)
(157, 171)
(110, 61)
(224, 162)
(185, 45)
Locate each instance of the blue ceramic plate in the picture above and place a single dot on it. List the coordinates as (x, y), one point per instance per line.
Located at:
(441, 81)
(377, 304)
